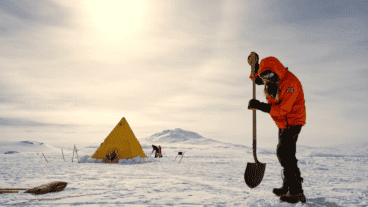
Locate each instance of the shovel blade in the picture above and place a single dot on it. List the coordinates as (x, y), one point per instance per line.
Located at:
(254, 174)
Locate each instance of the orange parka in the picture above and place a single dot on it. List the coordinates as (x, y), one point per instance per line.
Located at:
(288, 108)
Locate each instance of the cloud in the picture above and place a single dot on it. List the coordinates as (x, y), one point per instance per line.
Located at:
(323, 32)
(302, 13)
(21, 15)
(18, 122)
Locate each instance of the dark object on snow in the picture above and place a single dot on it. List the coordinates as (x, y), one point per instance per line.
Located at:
(179, 153)
(158, 151)
(48, 188)
(56, 186)
(293, 198)
(155, 148)
(295, 194)
(10, 152)
(111, 158)
(254, 172)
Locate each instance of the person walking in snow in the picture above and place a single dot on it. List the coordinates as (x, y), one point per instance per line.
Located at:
(155, 148)
(286, 105)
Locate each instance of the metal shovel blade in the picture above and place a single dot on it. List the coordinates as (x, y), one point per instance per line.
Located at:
(254, 174)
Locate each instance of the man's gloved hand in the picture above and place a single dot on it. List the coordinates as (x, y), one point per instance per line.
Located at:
(255, 104)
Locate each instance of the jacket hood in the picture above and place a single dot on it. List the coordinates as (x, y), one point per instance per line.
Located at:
(273, 64)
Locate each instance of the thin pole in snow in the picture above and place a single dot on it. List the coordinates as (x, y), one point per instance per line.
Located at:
(45, 158)
(63, 154)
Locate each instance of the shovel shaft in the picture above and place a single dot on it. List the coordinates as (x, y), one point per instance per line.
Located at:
(8, 191)
(2, 189)
(254, 137)
(254, 114)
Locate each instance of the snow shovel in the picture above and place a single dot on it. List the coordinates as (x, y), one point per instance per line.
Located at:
(56, 186)
(254, 172)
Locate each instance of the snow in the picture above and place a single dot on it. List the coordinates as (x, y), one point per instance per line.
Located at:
(210, 173)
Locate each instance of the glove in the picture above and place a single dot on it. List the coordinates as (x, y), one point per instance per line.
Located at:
(255, 104)
(259, 81)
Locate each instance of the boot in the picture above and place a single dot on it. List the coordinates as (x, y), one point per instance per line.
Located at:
(295, 194)
(284, 189)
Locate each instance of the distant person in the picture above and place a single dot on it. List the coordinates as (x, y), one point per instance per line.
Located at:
(155, 148)
(111, 157)
(159, 154)
(286, 106)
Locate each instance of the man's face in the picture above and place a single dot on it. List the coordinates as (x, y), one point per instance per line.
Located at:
(270, 80)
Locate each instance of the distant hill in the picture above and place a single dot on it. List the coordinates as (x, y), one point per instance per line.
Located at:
(9, 147)
(182, 137)
(176, 135)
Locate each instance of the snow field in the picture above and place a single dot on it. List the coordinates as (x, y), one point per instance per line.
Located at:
(206, 176)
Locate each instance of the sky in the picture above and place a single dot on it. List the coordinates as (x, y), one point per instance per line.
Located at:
(71, 70)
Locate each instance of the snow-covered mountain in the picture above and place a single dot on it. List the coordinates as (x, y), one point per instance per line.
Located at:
(176, 135)
(179, 137)
(9, 147)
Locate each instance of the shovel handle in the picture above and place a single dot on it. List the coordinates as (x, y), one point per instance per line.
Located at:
(2, 189)
(8, 191)
(252, 61)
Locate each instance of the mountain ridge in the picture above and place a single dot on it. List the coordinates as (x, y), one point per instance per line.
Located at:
(13, 147)
(180, 136)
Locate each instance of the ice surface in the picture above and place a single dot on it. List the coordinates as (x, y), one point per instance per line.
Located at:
(210, 174)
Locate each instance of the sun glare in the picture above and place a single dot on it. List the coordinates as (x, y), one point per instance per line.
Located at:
(116, 20)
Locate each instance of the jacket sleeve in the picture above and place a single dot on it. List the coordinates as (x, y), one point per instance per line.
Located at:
(288, 95)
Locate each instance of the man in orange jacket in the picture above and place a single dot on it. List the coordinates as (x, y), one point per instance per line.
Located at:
(286, 105)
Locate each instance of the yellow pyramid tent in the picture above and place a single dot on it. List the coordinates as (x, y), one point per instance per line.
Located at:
(120, 144)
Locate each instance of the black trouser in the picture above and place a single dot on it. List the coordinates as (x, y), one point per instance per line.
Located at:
(286, 150)
(156, 153)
